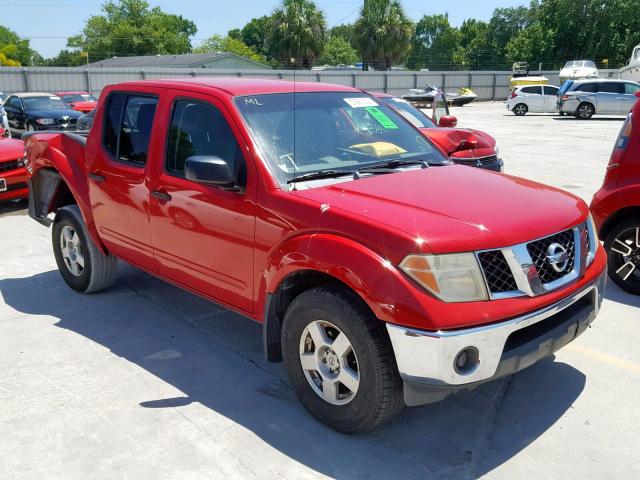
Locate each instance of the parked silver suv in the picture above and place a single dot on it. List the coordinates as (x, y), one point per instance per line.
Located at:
(585, 98)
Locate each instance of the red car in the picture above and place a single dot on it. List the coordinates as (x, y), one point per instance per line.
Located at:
(616, 206)
(463, 146)
(78, 100)
(382, 274)
(13, 176)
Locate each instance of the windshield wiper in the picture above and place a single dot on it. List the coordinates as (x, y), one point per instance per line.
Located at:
(319, 175)
(382, 167)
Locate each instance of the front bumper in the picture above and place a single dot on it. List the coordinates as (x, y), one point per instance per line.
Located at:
(13, 184)
(426, 359)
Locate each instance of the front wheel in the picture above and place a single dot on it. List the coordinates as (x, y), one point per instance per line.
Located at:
(623, 249)
(82, 266)
(520, 109)
(340, 361)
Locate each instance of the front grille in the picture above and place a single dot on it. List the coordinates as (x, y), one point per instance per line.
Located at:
(476, 161)
(539, 252)
(12, 165)
(497, 272)
(66, 121)
(16, 186)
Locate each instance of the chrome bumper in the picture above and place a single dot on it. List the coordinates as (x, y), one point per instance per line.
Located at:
(427, 357)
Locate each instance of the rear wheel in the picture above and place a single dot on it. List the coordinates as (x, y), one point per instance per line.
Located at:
(339, 360)
(82, 266)
(520, 109)
(623, 248)
(585, 111)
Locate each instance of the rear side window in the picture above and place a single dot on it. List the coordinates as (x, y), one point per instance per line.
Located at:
(552, 91)
(631, 88)
(586, 87)
(532, 90)
(14, 102)
(199, 129)
(128, 124)
(612, 87)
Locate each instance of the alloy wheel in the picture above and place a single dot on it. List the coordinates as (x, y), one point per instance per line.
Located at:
(71, 250)
(625, 250)
(329, 362)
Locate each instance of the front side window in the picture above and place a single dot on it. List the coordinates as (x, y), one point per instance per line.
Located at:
(199, 129)
(552, 91)
(630, 88)
(411, 113)
(128, 124)
(14, 102)
(305, 133)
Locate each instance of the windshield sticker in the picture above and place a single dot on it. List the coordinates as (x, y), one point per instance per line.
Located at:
(399, 100)
(54, 98)
(381, 118)
(360, 102)
(252, 101)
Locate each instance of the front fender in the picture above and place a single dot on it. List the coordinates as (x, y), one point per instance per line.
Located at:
(389, 294)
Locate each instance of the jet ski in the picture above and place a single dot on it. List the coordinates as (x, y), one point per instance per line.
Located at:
(461, 97)
(421, 97)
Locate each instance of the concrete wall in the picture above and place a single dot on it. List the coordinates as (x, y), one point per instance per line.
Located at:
(487, 85)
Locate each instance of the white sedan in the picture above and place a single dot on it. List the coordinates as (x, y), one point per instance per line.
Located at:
(533, 98)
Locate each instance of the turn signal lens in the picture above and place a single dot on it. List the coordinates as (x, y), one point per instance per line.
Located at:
(452, 277)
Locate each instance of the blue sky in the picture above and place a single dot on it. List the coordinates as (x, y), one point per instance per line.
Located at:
(58, 19)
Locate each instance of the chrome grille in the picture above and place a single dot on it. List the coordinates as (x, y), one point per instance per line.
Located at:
(476, 161)
(12, 165)
(497, 272)
(539, 253)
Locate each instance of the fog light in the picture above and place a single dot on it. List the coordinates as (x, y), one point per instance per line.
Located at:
(466, 360)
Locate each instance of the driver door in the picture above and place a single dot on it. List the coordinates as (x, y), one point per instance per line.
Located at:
(203, 236)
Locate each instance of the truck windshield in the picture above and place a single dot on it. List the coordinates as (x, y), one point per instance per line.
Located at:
(303, 133)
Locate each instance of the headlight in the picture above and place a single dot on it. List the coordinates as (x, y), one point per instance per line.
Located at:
(594, 241)
(454, 277)
(45, 121)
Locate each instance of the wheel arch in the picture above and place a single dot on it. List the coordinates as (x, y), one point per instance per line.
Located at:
(617, 217)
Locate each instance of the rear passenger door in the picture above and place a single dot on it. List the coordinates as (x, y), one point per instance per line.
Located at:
(610, 98)
(534, 98)
(550, 98)
(629, 97)
(118, 187)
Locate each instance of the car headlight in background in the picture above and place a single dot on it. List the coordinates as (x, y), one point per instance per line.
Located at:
(454, 277)
(45, 121)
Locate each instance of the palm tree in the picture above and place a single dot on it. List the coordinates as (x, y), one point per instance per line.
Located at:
(383, 33)
(298, 33)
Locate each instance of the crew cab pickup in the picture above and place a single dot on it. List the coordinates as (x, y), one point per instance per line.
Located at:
(383, 274)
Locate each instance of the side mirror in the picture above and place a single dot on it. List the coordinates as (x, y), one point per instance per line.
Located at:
(448, 121)
(210, 170)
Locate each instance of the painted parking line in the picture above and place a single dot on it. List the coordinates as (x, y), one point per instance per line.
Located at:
(606, 358)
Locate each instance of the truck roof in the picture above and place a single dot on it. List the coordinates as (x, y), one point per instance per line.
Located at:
(246, 86)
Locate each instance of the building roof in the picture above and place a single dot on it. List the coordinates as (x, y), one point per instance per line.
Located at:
(245, 86)
(186, 60)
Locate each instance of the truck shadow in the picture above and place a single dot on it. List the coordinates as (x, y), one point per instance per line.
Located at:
(214, 358)
(13, 207)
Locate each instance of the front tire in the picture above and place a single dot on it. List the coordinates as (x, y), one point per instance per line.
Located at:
(520, 109)
(340, 361)
(585, 111)
(623, 252)
(82, 266)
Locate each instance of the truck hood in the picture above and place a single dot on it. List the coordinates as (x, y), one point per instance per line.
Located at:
(452, 140)
(10, 149)
(455, 208)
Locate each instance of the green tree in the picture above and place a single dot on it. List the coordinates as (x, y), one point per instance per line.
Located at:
(235, 33)
(255, 34)
(66, 58)
(217, 43)
(434, 44)
(474, 48)
(505, 24)
(297, 33)
(15, 50)
(131, 27)
(382, 33)
(338, 51)
(346, 31)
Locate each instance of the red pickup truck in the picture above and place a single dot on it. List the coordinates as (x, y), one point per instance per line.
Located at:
(383, 275)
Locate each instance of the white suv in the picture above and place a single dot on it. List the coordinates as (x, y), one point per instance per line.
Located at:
(533, 98)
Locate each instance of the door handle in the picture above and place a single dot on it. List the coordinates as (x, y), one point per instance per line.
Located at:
(164, 196)
(96, 177)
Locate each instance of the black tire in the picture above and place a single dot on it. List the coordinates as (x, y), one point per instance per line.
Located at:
(98, 271)
(520, 109)
(379, 394)
(624, 232)
(585, 111)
